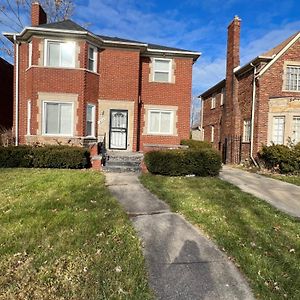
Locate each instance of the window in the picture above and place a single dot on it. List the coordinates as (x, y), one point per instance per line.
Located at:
(213, 101)
(92, 59)
(222, 96)
(60, 54)
(247, 131)
(278, 130)
(90, 120)
(28, 116)
(162, 70)
(58, 118)
(29, 54)
(160, 122)
(296, 129)
(292, 80)
(212, 137)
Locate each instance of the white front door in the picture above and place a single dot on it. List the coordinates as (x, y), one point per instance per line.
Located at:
(118, 129)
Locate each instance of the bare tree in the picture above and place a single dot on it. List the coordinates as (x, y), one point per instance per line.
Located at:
(15, 15)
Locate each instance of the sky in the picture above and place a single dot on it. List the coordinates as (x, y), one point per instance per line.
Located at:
(194, 25)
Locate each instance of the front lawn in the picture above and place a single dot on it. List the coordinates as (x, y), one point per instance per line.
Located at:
(63, 236)
(263, 242)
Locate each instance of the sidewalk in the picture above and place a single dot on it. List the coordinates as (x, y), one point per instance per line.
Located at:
(182, 262)
(284, 196)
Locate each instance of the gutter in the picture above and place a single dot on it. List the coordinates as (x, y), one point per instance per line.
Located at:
(17, 90)
(252, 115)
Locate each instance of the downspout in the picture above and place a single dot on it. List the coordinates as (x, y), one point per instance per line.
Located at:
(17, 90)
(252, 116)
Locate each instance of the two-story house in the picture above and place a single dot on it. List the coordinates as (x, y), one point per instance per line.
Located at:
(6, 94)
(256, 104)
(74, 86)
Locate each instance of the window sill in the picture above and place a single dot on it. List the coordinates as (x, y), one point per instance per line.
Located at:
(245, 142)
(164, 82)
(160, 134)
(291, 91)
(62, 68)
(58, 135)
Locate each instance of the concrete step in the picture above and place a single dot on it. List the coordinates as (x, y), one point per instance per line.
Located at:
(120, 169)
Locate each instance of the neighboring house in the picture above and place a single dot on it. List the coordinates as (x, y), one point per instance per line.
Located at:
(6, 94)
(75, 87)
(197, 132)
(256, 104)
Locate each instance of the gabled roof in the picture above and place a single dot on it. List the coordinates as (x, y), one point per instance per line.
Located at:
(269, 57)
(70, 27)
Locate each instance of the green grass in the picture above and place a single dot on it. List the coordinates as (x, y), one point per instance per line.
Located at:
(63, 236)
(263, 242)
(294, 179)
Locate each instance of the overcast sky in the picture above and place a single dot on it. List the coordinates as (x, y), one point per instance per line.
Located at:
(194, 25)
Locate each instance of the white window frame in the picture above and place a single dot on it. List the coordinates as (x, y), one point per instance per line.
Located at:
(46, 53)
(273, 128)
(213, 101)
(222, 96)
(287, 82)
(212, 134)
(171, 129)
(44, 118)
(93, 121)
(162, 71)
(94, 59)
(28, 116)
(30, 54)
(247, 131)
(294, 130)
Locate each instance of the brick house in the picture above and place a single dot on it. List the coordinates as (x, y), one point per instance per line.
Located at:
(73, 86)
(256, 104)
(6, 94)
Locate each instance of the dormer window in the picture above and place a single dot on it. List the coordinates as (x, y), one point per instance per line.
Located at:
(162, 69)
(60, 54)
(92, 58)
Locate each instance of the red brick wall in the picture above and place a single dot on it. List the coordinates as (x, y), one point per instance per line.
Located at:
(121, 76)
(172, 94)
(6, 94)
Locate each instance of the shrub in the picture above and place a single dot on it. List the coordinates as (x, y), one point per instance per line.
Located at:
(44, 157)
(201, 162)
(281, 158)
(196, 144)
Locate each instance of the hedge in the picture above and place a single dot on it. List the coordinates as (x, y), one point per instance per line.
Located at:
(62, 157)
(201, 162)
(281, 158)
(196, 144)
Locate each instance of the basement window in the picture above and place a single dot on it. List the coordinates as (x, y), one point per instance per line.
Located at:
(60, 54)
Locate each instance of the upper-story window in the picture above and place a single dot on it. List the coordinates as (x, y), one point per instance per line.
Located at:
(292, 80)
(213, 101)
(92, 58)
(162, 69)
(247, 131)
(222, 97)
(30, 54)
(60, 54)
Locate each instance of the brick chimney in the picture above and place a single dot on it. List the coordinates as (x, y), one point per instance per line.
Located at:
(38, 15)
(232, 116)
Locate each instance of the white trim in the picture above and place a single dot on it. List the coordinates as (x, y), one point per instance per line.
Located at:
(46, 53)
(161, 71)
(213, 101)
(212, 134)
(93, 106)
(28, 116)
(268, 65)
(174, 51)
(29, 54)
(171, 129)
(44, 102)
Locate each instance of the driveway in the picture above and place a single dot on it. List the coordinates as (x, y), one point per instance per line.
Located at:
(284, 196)
(182, 263)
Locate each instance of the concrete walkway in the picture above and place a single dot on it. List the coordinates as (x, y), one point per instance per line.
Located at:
(182, 262)
(282, 195)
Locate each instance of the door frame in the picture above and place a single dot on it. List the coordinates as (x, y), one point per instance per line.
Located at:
(110, 128)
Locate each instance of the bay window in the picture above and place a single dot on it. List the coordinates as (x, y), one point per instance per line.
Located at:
(60, 54)
(58, 118)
